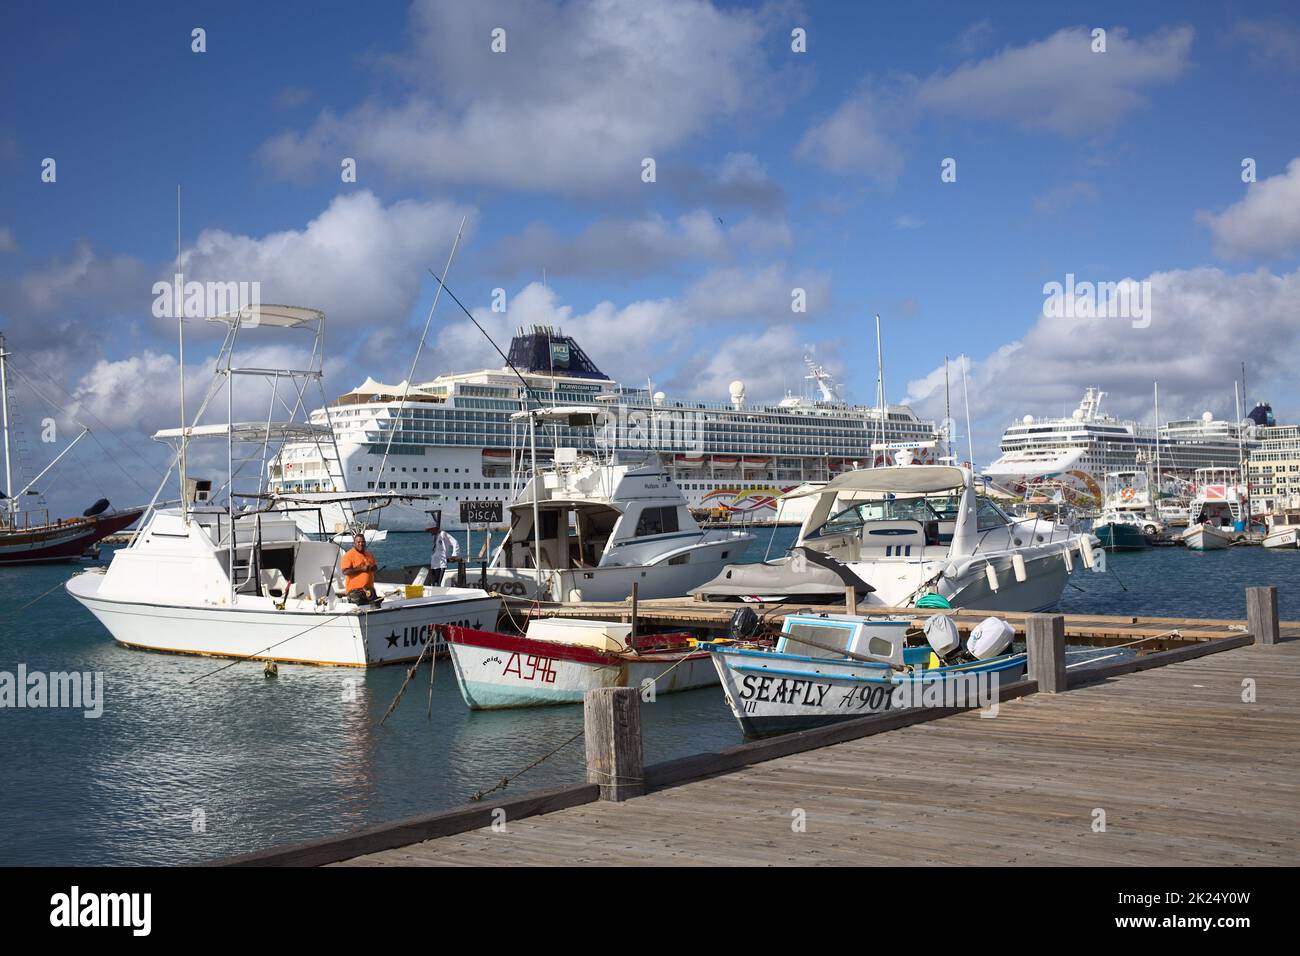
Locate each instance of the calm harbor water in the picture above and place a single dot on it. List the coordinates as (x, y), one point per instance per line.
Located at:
(192, 759)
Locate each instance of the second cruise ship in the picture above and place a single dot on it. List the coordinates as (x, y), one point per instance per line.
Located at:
(1078, 451)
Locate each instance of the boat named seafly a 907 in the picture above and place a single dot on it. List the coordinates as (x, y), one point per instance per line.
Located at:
(899, 534)
(829, 668)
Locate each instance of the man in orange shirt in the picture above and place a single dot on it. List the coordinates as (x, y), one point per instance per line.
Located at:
(359, 567)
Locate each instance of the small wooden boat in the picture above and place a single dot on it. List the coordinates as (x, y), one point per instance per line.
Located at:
(561, 659)
(782, 691)
(1207, 537)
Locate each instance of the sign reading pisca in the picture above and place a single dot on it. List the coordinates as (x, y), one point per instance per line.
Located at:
(480, 512)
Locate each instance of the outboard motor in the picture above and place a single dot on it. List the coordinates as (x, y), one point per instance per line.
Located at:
(991, 637)
(98, 508)
(744, 625)
(941, 633)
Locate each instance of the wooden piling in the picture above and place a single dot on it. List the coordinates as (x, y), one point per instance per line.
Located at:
(612, 727)
(1045, 645)
(632, 637)
(850, 599)
(1261, 615)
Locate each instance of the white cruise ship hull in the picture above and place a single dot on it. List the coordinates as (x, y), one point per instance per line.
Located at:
(344, 635)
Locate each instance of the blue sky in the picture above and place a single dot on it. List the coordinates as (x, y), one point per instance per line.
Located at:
(775, 169)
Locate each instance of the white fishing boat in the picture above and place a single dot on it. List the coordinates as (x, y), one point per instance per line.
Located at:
(1283, 524)
(559, 660)
(911, 532)
(605, 525)
(830, 668)
(1218, 510)
(239, 582)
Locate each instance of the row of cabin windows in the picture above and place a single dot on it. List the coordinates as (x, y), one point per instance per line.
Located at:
(437, 485)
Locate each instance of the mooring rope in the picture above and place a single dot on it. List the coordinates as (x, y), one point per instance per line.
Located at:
(249, 657)
(39, 596)
(409, 674)
(505, 781)
(1141, 640)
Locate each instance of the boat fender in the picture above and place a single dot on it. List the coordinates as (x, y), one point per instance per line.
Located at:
(991, 573)
(744, 624)
(270, 670)
(1069, 561)
(941, 634)
(575, 595)
(991, 637)
(1085, 551)
(1018, 564)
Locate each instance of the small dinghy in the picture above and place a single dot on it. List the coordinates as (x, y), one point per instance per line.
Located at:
(561, 659)
(829, 668)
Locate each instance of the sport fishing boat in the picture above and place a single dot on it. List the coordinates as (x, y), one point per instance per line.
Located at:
(1127, 521)
(913, 533)
(606, 524)
(30, 535)
(245, 582)
(560, 659)
(829, 668)
(1218, 510)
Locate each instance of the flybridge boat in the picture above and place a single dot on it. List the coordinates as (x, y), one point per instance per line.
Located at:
(910, 533)
(235, 581)
(829, 668)
(605, 525)
(258, 589)
(1218, 510)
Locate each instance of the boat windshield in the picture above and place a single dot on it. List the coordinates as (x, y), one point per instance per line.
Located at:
(851, 519)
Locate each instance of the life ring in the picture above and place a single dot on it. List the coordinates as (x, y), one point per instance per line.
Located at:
(1127, 494)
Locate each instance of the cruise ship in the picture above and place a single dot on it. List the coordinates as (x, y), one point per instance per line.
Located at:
(455, 439)
(1076, 452)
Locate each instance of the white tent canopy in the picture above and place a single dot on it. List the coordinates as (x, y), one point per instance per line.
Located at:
(902, 479)
(250, 431)
(273, 316)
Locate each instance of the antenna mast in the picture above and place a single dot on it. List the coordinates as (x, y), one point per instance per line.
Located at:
(880, 385)
(178, 303)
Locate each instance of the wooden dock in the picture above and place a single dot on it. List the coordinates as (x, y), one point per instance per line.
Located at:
(1097, 629)
(1185, 771)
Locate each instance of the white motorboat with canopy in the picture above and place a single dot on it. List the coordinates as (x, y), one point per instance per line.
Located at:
(607, 522)
(912, 533)
(242, 579)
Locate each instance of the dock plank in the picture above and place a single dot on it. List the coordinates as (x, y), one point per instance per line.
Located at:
(1186, 772)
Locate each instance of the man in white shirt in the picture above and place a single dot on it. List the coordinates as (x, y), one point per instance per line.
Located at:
(445, 550)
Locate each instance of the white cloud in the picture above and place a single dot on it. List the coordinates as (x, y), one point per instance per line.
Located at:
(634, 247)
(1205, 322)
(1265, 222)
(629, 343)
(359, 260)
(863, 136)
(7, 241)
(585, 90)
(757, 295)
(1270, 42)
(708, 377)
(1057, 84)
